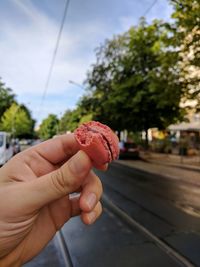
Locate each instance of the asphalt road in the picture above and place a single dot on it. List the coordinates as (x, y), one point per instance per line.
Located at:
(144, 223)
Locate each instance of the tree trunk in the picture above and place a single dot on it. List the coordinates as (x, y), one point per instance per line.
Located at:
(146, 140)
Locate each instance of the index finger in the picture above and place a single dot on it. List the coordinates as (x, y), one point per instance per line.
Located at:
(56, 150)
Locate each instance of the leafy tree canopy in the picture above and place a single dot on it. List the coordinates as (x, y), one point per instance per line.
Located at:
(73, 118)
(186, 40)
(69, 121)
(7, 97)
(16, 121)
(134, 83)
(48, 127)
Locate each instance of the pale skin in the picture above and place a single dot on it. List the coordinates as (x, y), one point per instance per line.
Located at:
(35, 200)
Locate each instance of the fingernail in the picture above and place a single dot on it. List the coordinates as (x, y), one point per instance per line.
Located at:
(91, 217)
(91, 200)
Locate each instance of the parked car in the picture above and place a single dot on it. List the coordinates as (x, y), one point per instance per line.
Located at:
(6, 148)
(16, 147)
(128, 150)
(25, 142)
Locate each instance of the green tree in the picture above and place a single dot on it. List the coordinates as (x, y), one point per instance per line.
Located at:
(134, 84)
(186, 40)
(97, 101)
(64, 122)
(16, 121)
(7, 97)
(48, 127)
(72, 118)
(32, 121)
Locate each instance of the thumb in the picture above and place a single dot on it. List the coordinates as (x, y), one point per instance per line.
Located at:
(52, 186)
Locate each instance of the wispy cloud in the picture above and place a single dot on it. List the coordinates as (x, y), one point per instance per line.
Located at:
(161, 10)
(26, 51)
(27, 41)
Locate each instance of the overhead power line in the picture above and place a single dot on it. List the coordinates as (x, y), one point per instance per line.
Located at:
(57, 46)
(149, 8)
(54, 54)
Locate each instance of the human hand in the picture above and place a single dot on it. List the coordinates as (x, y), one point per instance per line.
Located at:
(35, 201)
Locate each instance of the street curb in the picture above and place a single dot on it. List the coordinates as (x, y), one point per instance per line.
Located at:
(175, 165)
(165, 176)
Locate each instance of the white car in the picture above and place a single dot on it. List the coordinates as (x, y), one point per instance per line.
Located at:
(6, 149)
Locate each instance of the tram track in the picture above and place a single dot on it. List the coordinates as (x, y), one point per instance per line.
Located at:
(64, 249)
(136, 223)
(133, 223)
(163, 219)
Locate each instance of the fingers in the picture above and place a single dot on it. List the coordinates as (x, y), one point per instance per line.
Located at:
(92, 216)
(56, 150)
(89, 203)
(86, 202)
(49, 155)
(101, 167)
(74, 174)
(87, 217)
(91, 192)
(50, 187)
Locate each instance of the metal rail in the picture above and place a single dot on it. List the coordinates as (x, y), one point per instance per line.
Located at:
(133, 223)
(64, 249)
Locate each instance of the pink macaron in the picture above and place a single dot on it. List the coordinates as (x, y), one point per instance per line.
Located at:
(98, 141)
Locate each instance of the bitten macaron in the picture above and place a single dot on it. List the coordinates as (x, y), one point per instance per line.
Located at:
(99, 142)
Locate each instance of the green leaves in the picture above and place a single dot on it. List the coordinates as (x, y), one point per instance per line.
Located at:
(7, 97)
(14, 118)
(48, 127)
(17, 121)
(186, 40)
(134, 84)
(70, 120)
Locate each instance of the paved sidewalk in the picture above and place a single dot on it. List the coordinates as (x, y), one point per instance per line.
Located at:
(185, 162)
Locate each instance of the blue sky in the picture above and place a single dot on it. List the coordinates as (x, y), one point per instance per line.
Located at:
(28, 31)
